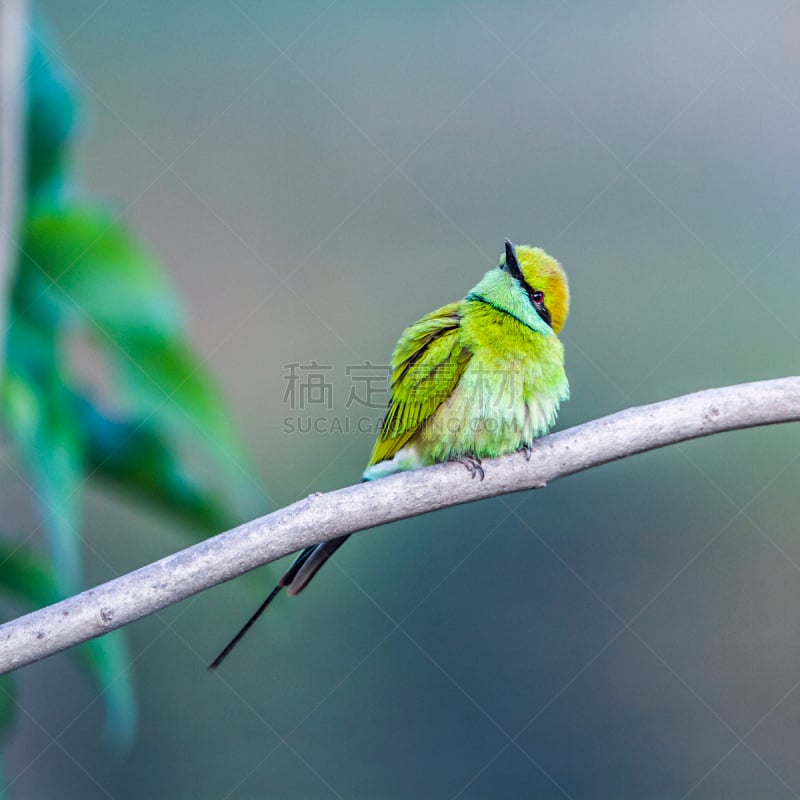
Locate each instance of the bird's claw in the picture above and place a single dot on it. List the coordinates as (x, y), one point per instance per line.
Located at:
(473, 465)
(526, 450)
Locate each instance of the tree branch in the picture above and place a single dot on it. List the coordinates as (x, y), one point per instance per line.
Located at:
(13, 54)
(324, 516)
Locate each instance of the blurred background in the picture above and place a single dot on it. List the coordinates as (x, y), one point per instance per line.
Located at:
(317, 175)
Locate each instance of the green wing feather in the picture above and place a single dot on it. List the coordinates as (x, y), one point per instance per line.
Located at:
(427, 364)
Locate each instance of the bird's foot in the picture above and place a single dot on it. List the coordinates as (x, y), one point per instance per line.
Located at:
(526, 450)
(472, 463)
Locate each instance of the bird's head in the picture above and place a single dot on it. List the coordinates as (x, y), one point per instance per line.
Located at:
(529, 285)
(542, 280)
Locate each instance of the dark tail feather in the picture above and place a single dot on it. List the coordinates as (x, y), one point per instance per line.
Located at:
(300, 574)
(288, 576)
(297, 577)
(246, 627)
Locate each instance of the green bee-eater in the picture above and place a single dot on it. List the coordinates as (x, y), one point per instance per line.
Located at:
(477, 378)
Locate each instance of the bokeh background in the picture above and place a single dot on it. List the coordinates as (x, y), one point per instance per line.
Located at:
(316, 176)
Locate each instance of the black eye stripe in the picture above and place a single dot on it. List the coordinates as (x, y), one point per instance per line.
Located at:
(538, 305)
(512, 267)
(529, 290)
(536, 296)
(542, 311)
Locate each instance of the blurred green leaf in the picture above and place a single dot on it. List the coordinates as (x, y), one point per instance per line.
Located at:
(136, 455)
(82, 267)
(7, 715)
(43, 427)
(112, 290)
(157, 425)
(51, 116)
(168, 385)
(7, 702)
(109, 661)
(27, 575)
(166, 380)
(41, 419)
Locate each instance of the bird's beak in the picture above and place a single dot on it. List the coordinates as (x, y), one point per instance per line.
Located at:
(512, 265)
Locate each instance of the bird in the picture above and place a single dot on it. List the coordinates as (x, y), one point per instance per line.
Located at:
(478, 378)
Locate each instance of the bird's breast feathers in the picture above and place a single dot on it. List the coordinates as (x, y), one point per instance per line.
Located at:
(499, 405)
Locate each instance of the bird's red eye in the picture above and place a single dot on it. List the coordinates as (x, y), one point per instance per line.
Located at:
(538, 297)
